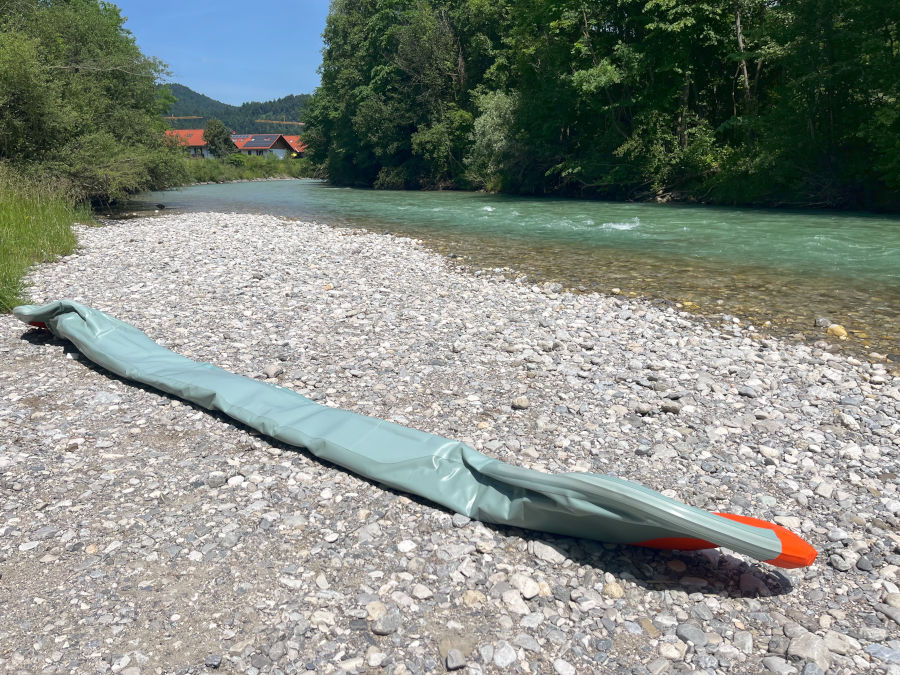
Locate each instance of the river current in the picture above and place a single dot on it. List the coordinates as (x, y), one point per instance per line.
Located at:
(776, 268)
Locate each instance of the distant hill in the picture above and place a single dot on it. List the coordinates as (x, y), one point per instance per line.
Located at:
(240, 118)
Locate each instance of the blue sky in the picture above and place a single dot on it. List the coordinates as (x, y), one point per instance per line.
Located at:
(233, 51)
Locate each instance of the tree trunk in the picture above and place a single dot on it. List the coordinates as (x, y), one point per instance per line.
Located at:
(743, 62)
(682, 116)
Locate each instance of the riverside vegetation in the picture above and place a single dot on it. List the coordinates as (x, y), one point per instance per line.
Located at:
(35, 226)
(82, 126)
(245, 167)
(726, 101)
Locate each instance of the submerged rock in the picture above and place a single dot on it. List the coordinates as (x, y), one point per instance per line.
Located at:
(838, 331)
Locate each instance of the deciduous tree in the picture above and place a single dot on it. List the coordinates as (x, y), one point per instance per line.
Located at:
(218, 139)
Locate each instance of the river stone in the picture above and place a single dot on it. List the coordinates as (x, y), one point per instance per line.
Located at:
(513, 600)
(838, 331)
(778, 665)
(376, 609)
(892, 613)
(884, 654)
(387, 624)
(216, 479)
(527, 586)
(810, 647)
(548, 553)
(669, 406)
(838, 562)
(504, 654)
(273, 370)
(455, 660)
(613, 589)
(692, 633)
(525, 641)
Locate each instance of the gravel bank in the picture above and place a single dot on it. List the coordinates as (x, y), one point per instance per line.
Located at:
(141, 535)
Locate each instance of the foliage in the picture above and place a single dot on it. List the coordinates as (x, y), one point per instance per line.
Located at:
(79, 101)
(218, 139)
(246, 167)
(239, 118)
(35, 220)
(736, 101)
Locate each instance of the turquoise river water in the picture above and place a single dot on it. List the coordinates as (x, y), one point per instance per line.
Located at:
(779, 266)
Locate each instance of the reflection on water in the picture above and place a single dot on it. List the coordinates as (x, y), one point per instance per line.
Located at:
(787, 268)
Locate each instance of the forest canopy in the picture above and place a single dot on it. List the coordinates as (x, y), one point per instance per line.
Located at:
(729, 101)
(79, 102)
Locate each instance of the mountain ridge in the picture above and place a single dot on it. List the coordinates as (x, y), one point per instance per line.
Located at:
(240, 119)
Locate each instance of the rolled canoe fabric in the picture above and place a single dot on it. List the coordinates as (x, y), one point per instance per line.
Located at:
(447, 472)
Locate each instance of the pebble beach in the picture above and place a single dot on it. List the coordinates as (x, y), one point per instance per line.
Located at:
(139, 534)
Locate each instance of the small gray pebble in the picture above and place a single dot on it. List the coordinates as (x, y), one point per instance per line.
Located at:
(839, 563)
(691, 632)
(273, 370)
(459, 520)
(216, 479)
(455, 660)
(387, 624)
(670, 406)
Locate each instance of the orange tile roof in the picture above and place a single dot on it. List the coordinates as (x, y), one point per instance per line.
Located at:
(296, 144)
(192, 138)
(240, 140)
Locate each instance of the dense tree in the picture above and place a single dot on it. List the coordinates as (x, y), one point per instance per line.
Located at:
(737, 101)
(79, 101)
(218, 139)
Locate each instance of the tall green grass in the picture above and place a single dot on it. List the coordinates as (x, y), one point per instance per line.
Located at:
(245, 167)
(35, 226)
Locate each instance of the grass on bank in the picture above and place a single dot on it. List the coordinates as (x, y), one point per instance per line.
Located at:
(245, 167)
(37, 214)
(35, 226)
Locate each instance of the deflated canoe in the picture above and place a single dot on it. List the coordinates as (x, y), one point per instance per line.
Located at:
(447, 472)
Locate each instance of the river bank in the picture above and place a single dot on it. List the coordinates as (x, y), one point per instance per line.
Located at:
(788, 274)
(148, 535)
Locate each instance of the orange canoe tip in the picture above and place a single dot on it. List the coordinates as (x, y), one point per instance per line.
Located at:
(795, 552)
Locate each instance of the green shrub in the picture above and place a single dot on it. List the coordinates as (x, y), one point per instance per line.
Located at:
(35, 226)
(246, 167)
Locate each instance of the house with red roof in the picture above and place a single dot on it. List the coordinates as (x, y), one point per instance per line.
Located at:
(262, 145)
(191, 139)
(259, 145)
(240, 139)
(298, 146)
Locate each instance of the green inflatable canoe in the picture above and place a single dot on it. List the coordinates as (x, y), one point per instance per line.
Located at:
(447, 472)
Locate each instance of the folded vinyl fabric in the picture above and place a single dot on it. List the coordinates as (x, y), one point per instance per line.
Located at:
(447, 472)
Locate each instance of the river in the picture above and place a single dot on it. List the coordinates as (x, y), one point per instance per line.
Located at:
(776, 268)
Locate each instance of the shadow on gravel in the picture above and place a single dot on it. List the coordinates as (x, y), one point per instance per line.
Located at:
(710, 572)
